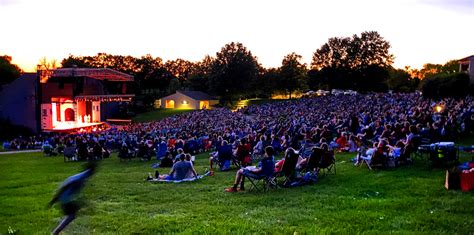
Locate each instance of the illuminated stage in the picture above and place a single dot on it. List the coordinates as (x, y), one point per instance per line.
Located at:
(81, 114)
(76, 99)
(73, 126)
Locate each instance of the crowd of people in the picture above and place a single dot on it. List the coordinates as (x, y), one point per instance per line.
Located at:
(344, 123)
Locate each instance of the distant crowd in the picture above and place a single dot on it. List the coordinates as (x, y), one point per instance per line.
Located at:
(344, 123)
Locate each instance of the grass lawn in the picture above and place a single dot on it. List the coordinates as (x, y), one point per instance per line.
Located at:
(158, 114)
(356, 200)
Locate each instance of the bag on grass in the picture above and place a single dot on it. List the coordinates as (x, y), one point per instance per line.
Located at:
(467, 180)
(453, 179)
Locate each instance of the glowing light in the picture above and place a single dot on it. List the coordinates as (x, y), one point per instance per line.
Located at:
(438, 108)
(185, 102)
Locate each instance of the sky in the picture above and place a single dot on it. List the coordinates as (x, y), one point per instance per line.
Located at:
(420, 31)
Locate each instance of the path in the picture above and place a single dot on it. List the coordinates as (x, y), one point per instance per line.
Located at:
(21, 151)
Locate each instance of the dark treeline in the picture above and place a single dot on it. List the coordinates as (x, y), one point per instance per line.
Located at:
(361, 62)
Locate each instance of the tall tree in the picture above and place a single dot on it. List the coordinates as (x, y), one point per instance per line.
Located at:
(8, 71)
(233, 71)
(333, 54)
(401, 81)
(360, 62)
(199, 74)
(180, 69)
(44, 63)
(369, 49)
(292, 74)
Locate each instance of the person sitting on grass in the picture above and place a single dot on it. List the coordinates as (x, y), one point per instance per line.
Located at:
(178, 156)
(266, 168)
(243, 153)
(167, 160)
(222, 157)
(181, 169)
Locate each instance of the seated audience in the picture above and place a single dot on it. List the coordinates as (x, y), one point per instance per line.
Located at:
(266, 169)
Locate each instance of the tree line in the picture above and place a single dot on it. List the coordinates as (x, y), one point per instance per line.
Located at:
(360, 62)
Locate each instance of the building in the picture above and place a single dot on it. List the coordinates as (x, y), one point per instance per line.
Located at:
(466, 65)
(64, 99)
(18, 101)
(188, 100)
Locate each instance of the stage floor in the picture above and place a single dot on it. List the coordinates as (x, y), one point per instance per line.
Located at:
(73, 126)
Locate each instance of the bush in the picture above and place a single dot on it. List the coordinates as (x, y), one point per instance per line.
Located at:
(446, 85)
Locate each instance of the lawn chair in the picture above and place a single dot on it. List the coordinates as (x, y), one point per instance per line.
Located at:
(262, 182)
(378, 160)
(69, 153)
(328, 163)
(420, 147)
(313, 161)
(289, 169)
(235, 161)
(306, 150)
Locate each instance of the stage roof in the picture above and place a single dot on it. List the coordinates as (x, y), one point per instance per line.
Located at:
(95, 73)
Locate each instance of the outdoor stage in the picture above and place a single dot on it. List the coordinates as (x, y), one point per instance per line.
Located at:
(79, 127)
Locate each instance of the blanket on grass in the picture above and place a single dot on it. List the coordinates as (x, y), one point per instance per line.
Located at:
(158, 180)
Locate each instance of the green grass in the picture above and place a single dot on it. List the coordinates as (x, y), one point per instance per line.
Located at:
(403, 200)
(158, 114)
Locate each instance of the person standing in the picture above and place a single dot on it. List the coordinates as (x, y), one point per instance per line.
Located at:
(66, 195)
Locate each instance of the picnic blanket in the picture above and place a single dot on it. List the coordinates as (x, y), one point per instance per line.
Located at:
(178, 181)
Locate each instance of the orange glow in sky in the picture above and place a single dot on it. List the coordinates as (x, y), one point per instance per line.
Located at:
(420, 31)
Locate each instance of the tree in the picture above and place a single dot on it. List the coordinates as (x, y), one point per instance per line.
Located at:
(317, 80)
(76, 61)
(292, 74)
(450, 67)
(267, 83)
(8, 71)
(333, 54)
(232, 72)
(401, 81)
(446, 85)
(145, 66)
(46, 64)
(431, 70)
(179, 68)
(368, 50)
(199, 75)
(360, 63)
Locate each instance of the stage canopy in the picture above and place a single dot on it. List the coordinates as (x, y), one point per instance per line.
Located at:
(95, 73)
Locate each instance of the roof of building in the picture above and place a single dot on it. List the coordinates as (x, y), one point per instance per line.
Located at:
(197, 95)
(466, 59)
(95, 73)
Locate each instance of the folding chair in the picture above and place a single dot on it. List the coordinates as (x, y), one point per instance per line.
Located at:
(235, 161)
(378, 160)
(306, 150)
(313, 161)
(328, 163)
(261, 182)
(421, 147)
(288, 170)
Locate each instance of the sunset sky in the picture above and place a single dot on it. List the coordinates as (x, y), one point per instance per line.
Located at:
(419, 31)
